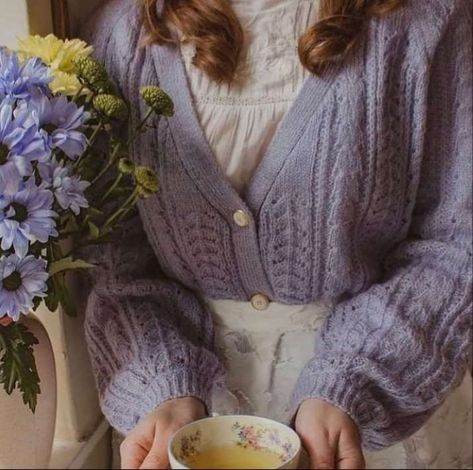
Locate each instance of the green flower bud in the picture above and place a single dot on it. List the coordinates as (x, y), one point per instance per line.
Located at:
(146, 179)
(159, 101)
(91, 71)
(144, 193)
(126, 166)
(111, 106)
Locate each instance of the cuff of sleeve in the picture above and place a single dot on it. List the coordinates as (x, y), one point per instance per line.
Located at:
(132, 395)
(337, 386)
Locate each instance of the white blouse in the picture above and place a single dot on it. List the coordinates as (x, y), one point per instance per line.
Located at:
(240, 120)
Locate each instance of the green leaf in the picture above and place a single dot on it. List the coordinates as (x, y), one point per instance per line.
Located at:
(94, 212)
(17, 363)
(104, 239)
(51, 301)
(64, 294)
(67, 302)
(67, 264)
(94, 231)
(36, 303)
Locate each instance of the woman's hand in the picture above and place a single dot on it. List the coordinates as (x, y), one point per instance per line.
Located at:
(329, 436)
(5, 321)
(146, 445)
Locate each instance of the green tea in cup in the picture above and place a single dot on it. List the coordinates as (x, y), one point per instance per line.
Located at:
(235, 442)
(233, 456)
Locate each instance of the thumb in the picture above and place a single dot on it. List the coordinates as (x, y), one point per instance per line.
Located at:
(157, 457)
(320, 451)
(349, 452)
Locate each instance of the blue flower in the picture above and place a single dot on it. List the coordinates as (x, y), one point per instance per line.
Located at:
(69, 189)
(21, 281)
(18, 80)
(20, 145)
(26, 217)
(59, 120)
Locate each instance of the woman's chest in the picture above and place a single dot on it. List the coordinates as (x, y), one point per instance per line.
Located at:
(334, 190)
(239, 119)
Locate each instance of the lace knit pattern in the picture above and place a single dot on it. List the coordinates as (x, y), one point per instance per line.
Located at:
(364, 197)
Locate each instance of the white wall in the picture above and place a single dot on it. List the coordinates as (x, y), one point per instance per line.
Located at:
(19, 18)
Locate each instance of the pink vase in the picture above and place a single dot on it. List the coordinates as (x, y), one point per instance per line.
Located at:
(26, 439)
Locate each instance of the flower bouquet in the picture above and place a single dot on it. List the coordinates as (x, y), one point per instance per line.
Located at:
(65, 182)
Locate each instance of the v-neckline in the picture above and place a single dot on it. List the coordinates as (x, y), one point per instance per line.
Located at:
(199, 159)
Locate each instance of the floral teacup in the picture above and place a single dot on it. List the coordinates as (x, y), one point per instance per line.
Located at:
(240, 435)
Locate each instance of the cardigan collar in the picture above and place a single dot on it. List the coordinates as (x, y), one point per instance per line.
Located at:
(196, 153)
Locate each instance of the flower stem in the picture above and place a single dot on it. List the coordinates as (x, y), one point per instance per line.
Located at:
(144, 120)
(110, 162)
(140, 126)
(94, 135)
(77, 95)
(122, 210)
(92, 140)
(114, 185)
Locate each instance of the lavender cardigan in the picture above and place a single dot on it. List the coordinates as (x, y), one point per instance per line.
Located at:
(364, 197)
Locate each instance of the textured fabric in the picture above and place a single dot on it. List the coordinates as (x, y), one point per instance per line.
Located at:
(262, 365)
(364, 197)
(240, 120)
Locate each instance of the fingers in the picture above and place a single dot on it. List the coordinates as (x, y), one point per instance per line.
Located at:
(329, 435)
(132, 454)
(321, 451)
(147, 444)
(350, 455)
(325, 453)
(157, 457)
(355, 462)
(156, 460)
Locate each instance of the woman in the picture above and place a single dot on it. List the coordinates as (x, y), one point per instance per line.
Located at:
(321, 196)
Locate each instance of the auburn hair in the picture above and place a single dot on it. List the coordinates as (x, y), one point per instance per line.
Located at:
(215, 31)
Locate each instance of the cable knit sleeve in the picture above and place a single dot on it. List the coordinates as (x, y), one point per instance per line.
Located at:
(149, 338)
(390, 355)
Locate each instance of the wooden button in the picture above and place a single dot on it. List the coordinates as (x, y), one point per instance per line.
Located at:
(259, 302)
(241, 218)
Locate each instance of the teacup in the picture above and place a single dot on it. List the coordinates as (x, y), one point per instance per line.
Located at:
(234, 441)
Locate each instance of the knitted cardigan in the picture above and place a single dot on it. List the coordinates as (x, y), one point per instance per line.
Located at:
(364, 197)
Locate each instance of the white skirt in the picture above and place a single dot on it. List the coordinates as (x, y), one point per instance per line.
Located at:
(264, 352)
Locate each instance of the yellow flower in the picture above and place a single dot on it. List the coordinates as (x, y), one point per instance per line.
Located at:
(58, 54)
(61, 58)
(65, 84)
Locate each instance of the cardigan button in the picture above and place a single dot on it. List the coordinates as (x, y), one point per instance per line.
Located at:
(259, 302)
(241, 218)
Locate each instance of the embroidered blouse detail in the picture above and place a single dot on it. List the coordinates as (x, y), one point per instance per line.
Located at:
(240, 120)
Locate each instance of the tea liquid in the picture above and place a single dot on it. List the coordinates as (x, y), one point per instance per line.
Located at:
(234, 457)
